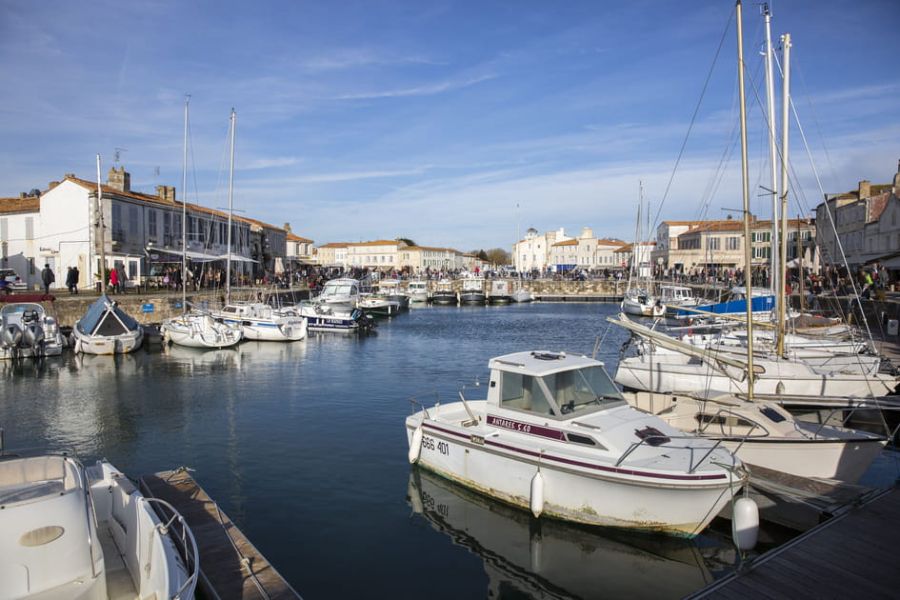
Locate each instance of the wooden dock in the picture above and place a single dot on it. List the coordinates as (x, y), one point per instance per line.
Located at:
(230, 566)
(853, 555)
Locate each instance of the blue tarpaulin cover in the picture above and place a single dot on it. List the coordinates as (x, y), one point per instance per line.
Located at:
(94, 323)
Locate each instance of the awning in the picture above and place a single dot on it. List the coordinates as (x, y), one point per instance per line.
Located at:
(236, 258)
(169, 255)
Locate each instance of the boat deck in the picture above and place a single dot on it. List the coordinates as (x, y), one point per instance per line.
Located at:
(849, 556)
(230, 566)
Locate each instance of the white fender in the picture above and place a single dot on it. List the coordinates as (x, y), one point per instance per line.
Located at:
(745, 523)
(537, 494)
(415, 445)
(78, 348)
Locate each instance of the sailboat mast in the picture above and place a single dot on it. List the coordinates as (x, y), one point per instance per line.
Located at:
(774, 275)
(785, 134)
(745, 180)
(230, 210)
(102, 227)
(187, 100)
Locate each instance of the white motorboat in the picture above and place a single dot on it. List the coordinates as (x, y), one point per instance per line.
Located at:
(321, 317)
(376, 305)
(472, 292)
(444, 294)
(522, 295)
(417, 290)
(554, 435)
(766, 435)
(67, 531)
(107, 329)
(261, 322)
(677, 296)
(499, 292)
(640, 303)
(28, 331)
(200, 330)
(339, 294)
(389, 289)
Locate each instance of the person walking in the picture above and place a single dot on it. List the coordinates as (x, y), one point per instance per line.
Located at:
(69, 283)
(122, 277)
(76, 275)
(114, 280)
(47, 277)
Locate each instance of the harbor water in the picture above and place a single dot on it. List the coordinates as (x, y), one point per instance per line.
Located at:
(303, 445)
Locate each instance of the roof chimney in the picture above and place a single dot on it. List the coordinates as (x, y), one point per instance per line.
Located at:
(166, 193)
(287, 227)
(52, 185)
(119, 179)
(865, 189)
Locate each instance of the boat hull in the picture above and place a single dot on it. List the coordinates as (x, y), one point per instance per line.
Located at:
(569, 493)
(181, 335)
(472, 298)
(499, 300)
(444, 298)
(107, 344)
(263, 330)
(644, 373)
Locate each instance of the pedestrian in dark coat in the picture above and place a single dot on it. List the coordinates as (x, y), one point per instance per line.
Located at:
(70, 280)
(47, 277)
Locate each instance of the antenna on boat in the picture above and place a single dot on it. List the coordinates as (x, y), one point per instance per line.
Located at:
(745, 188)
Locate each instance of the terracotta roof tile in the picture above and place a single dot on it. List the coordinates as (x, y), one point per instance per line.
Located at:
(20, 205)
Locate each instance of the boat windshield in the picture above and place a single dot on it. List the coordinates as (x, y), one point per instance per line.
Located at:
(343, 289)
(580, 389)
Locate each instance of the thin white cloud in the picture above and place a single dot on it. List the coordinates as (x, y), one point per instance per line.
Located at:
(268, 163)
(422, 90)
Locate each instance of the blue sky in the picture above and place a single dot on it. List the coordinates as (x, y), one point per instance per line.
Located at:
(434, 120)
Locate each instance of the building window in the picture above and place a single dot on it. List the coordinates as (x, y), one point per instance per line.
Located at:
(733, 243)
(132, 220)
(167, 229)
(118, 226)
(712, 243)
(151, 223)
(29, 228)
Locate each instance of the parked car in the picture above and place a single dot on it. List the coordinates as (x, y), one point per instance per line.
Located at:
(11, 282)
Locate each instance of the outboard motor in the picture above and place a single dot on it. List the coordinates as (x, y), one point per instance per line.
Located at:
(11, 335)
(33, 335)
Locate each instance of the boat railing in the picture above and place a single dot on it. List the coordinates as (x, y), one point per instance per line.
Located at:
(664, 440)
(414, 402)
(891, 434)
(184, 541)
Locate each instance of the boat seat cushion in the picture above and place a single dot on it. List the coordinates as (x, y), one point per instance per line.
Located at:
(22, 471)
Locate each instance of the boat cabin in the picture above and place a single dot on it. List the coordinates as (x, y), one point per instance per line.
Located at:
(339, 288)
(675, 294)
(473, 284)
(551, 384)
(499, 287)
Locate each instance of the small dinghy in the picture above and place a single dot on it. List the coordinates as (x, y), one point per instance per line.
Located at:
(555, 436)
(67, 531)
(107, 329)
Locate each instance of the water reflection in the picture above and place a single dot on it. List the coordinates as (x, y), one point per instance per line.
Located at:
(526, 557)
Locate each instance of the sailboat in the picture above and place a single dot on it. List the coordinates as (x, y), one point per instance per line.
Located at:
(257, 320)
(759, 432)
(105, 328)
(639, 301)
(195, 329)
